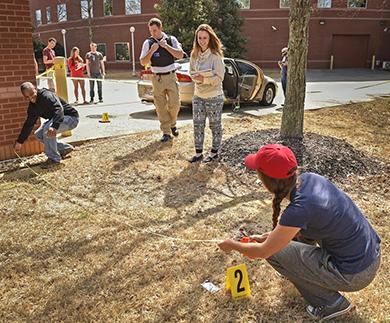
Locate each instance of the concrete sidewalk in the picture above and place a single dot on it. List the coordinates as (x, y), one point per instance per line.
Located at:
(128, 115)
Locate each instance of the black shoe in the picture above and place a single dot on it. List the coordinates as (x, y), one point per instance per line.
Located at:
(328, 312)
(195, 159)
(175, 132)
(211, 158)
(91, 102)
(49, 163)
(165, 138)
(66, 152)
(101, 101)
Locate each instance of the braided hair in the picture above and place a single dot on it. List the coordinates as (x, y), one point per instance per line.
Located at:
(280, 188)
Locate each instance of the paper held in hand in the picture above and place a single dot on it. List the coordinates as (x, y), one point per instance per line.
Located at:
(204, 73)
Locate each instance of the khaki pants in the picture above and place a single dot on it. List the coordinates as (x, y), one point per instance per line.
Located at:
(166, 100)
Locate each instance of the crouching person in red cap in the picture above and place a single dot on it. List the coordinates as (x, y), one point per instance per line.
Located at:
(348, 255)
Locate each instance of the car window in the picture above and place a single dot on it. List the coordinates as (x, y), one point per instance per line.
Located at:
(245, 69)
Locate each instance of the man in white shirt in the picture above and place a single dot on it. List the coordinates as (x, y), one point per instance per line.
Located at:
(160, 50)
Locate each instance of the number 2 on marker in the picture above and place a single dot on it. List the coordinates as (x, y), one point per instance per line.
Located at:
(237, 281)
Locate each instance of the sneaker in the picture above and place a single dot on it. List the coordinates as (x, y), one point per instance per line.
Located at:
(49, 163)
(328, 312)
(66, 152)
(195, 159)
(211, 158)
(165, 138)
(175, 132)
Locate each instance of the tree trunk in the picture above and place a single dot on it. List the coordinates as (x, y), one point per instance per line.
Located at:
(292, 119)
(90, 13)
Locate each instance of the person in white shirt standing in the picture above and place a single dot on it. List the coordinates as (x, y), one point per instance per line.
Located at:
(207, 70)
(161, 50)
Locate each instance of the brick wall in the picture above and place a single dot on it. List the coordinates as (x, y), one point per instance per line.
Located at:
(17, 66)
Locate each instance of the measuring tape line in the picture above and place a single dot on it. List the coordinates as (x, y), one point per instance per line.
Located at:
(70, 198)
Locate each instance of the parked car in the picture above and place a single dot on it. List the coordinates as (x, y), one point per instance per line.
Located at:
(244, 82)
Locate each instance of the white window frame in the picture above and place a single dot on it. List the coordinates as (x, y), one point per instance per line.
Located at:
(320, 4)
(282, 5)
(133, 13)
(86, 14)
(104, 8)
(38, 12)
(349, 7)
(128, 49)
(48, 14)
(65, 17)
(241, 2)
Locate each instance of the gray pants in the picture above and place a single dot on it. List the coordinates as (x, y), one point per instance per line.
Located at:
(317, 279)
(207, 108)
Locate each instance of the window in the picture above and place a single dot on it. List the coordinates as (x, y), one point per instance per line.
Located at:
(122, 52)
(107, 7)
(86, 7)
(244, 4)
(38, 17)
(48, 15)
(132, 7)
(357, 3)
(284, 3)
(324, 4)
(101, 48)
(61, 12)
(246, 69)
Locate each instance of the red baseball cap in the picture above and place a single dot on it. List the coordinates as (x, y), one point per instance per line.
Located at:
(274, 160)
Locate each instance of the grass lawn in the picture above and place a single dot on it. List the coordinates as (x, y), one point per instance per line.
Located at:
(86, 249)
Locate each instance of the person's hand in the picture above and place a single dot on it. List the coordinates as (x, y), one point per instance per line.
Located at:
(89, 75)
(17, 146)
(163, 43)
(198, 78)
(260, 237)
(51, 132)
(103, 74)
(226, 245)
(154, 47)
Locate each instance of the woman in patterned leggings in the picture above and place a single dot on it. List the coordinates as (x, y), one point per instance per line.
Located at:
(207, 71)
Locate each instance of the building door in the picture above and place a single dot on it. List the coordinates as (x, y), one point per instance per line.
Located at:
(350, 51)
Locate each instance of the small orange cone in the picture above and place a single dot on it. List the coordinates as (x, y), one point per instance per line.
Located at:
(104, 118)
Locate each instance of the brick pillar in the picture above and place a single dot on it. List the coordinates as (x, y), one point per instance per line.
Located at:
(16, 66)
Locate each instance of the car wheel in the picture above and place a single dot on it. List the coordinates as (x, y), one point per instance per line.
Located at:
(269, 95)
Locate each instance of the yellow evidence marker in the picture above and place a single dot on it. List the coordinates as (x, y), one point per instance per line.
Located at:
(237, 281)
(104, 118)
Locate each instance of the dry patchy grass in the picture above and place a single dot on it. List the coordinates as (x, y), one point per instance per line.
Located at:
(85, 252)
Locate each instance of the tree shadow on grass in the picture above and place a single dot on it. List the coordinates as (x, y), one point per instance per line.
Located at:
(147, 153)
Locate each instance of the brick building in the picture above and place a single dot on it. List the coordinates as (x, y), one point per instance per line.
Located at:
(16, 66)
(350, 30)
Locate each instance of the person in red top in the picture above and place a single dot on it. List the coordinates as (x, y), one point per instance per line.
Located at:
(48, 60)
(76, 66)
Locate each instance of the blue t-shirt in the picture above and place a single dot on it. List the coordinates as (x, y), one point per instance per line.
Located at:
(325, 213)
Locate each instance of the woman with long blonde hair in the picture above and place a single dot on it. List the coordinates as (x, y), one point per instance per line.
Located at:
(207, 71)
(76, 66)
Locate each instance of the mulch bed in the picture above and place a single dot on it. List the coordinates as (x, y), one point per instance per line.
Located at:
(328, 156)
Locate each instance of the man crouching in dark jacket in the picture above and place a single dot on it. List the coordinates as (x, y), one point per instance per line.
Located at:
(60, 116)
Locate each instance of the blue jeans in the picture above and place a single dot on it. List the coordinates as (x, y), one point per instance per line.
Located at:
(53, 148)
(92, 86)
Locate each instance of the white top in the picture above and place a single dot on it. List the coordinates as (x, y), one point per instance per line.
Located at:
(159, 69)
(212, 67)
